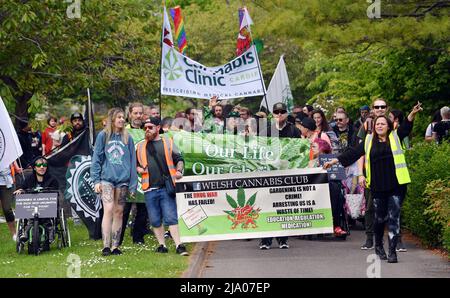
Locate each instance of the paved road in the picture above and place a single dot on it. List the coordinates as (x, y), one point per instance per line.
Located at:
(316, 258)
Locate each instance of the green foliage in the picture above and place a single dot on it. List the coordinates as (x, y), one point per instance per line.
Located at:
(54, 263)
(335, 55)
(426, 163)
(113, 48)
(437, 197)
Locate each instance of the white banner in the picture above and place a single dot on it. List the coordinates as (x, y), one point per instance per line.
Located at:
(254, 205)
(279, 89)
(182, 76)
(10, 148)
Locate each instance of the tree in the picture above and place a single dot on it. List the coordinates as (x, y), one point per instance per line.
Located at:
(45, 56)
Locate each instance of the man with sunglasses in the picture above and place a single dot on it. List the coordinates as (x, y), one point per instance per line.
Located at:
(280, 127)
(283, 129)
(160, 162)
(39, 179)
(343, 131)
(379, 108)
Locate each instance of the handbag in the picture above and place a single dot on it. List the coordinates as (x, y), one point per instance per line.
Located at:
(168, 183)
(355, 205)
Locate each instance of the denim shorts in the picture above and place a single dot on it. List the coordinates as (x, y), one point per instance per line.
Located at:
(161, 206)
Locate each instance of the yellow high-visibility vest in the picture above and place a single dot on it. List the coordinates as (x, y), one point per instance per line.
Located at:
(401, 170)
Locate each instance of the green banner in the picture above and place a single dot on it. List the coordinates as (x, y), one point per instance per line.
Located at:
(206, 154)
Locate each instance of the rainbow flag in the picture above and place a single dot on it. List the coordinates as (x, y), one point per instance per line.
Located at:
(180, 33)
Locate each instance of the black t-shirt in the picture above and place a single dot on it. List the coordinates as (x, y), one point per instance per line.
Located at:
(288, 131)
(345, 138)
(31, 182)
(442, 129)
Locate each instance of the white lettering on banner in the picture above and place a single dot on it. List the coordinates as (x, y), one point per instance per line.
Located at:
(182, 76)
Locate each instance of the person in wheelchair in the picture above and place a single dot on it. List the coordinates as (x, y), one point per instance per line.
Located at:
(39, 180)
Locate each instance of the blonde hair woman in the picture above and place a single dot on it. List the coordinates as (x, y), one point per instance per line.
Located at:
(113, 172)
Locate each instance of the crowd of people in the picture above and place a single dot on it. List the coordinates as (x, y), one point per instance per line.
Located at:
(373, 144)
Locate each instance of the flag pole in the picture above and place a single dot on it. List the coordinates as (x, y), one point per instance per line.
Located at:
(90, 120)
(160, 61)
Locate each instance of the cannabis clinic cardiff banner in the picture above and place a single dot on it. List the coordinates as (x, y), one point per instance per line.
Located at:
(254, 205)
(182, 76)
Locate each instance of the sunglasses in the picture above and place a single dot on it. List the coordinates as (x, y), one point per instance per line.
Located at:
(340, 119)
(149, 127)
(279, 112)
(379, 107)
(39, 165)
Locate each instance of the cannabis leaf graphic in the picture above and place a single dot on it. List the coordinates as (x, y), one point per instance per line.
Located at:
(172, 70)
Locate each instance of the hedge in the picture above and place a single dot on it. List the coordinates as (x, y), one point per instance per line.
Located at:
(426, 207)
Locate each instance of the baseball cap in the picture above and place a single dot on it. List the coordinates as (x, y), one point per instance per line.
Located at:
(153, 120)
(307, 122)
(300, 116)
(364, 108)
(76, 116)
(279, 106)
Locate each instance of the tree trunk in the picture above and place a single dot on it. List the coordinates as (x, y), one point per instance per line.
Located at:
(22, 106)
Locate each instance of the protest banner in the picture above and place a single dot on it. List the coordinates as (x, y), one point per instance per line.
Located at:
(182, 76)
(254, 205)
(206, 154)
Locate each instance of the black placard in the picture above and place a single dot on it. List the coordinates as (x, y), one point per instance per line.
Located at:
(46, 204)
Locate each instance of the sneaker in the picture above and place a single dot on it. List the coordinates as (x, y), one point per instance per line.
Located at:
(106, 251)
(116, 251)
(162, 249)
(14, 238)
(23, 238)
(264, 246)
(139, 242)
(283, 245)
(167, 235)
(368, 244)
(401, 247)
(181, 250)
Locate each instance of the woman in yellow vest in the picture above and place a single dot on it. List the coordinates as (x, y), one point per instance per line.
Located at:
(386, 176)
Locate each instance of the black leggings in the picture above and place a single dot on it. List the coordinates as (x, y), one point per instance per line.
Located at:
(6, 198)
(387, 209)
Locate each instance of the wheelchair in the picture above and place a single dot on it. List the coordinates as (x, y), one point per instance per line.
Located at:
(37, 233)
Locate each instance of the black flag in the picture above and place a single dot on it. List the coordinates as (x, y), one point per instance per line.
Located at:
(59, 161)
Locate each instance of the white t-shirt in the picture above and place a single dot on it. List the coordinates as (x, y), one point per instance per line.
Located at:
(429, 131)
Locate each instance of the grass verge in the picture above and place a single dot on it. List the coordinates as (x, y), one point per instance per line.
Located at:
(138, 261)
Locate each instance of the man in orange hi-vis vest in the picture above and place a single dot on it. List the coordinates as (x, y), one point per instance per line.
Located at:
(160, 164)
